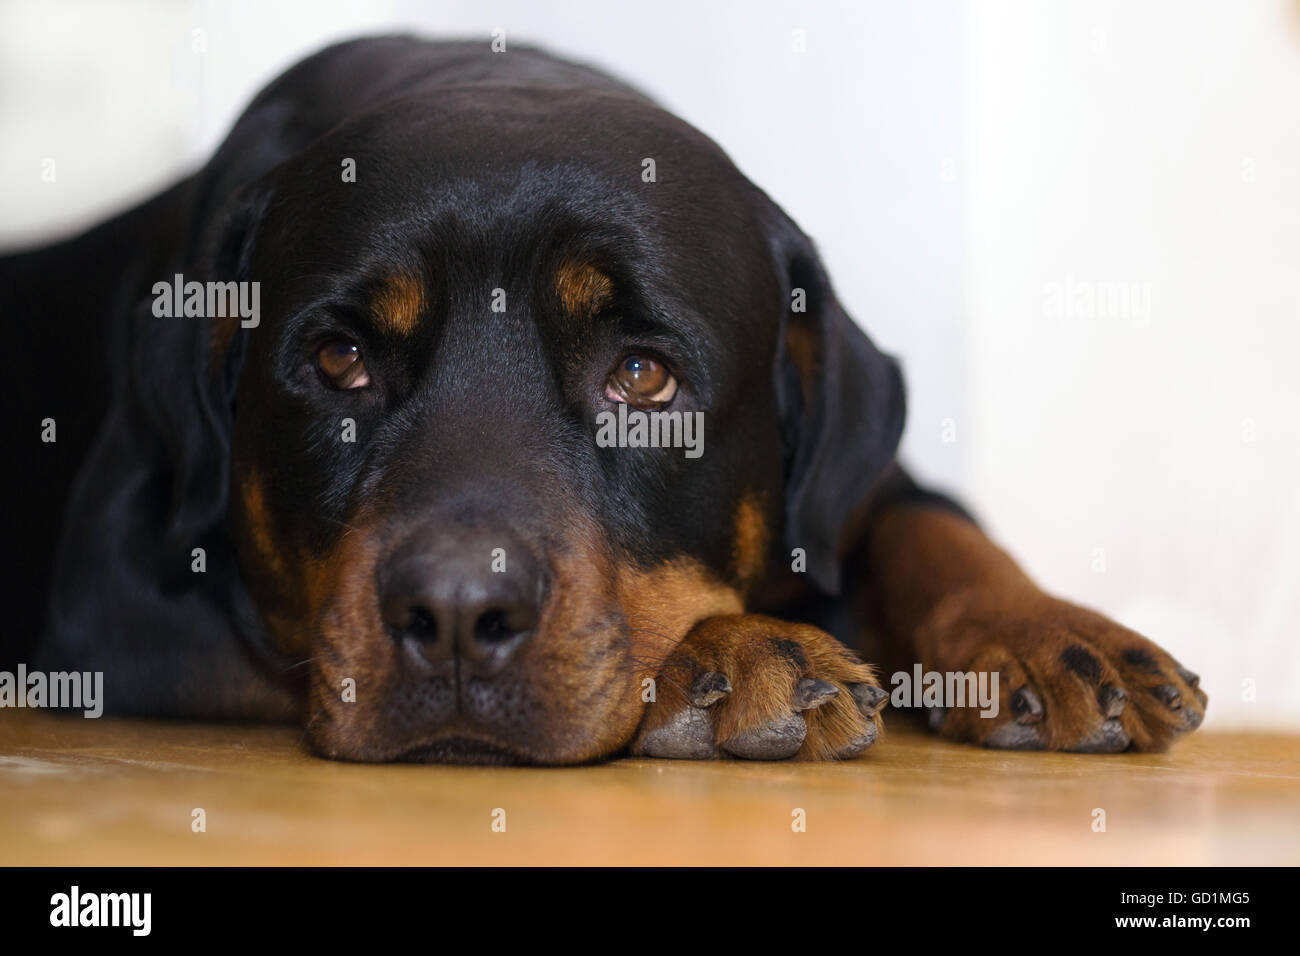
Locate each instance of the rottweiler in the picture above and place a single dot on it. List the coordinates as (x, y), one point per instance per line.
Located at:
(470, 407)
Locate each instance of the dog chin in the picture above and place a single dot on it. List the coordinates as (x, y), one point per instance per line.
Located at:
(463, 750)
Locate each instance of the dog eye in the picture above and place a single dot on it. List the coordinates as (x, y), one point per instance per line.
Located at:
(340, 362)
(642, 381)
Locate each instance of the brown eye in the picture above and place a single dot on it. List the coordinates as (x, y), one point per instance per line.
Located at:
(340, 362)
(642, 381)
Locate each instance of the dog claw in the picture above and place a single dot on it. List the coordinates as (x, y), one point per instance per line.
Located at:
(869, 698)
(1112, 700)
(812, 692)
(1192, 680)
(778, 740)
(688, 736)
(935, 715)
(709, 688)
(1026, 706)
(1169, 696)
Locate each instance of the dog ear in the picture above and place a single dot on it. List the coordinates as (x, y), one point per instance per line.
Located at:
(186, 380)
(842, 404)
(153, 487)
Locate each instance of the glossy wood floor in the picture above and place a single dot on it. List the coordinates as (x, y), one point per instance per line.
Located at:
(76, 791)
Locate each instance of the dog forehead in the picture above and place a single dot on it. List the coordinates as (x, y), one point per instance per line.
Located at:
(606, 157)
(588, 195)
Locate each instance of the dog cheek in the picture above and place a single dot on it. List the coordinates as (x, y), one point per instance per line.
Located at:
(663, 603)
(581, 671)
(271, 578)
(352, 661)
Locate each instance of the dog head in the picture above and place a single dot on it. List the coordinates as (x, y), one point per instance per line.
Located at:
(442, 487)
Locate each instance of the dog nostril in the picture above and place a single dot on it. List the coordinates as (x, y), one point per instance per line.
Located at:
(496, 626)
(407, 618)
(421, 625)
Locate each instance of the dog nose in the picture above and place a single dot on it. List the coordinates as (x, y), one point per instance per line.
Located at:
(473, 594)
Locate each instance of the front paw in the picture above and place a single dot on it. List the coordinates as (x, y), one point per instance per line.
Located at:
(754, 687)
(1069, 679)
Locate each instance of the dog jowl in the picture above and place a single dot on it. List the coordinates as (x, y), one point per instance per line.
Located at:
(451, 489)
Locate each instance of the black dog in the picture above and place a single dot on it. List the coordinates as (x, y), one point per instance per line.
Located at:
(389, 490)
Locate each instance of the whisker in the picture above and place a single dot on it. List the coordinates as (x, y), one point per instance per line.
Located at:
(295, 666)
(349, 527)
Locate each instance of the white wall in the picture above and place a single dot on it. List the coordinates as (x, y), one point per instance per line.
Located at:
(1153, 147)
(971, 171)
(852, 136)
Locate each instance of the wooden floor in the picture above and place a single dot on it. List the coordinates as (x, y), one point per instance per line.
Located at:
(76, 791)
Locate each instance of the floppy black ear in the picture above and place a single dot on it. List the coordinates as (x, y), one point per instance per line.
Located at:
(126, 596)
(186, 373)
(842, 403)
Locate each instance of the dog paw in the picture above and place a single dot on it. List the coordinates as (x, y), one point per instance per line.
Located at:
(1069, 679)
(758, 688)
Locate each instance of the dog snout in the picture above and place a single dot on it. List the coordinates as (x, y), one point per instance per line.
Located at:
(471, 594)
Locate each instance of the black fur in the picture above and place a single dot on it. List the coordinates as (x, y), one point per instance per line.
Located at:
(476, 171)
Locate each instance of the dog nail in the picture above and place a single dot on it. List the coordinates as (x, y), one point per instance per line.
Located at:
(869, 698)
(1026, 706)
(1169, 696)
(709, 688)
(778, 740)
(935, 716)
(812, 692)
(1112, 700)
(1193, 680)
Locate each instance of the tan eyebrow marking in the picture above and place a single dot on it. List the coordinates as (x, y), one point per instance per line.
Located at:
(583, 289)
(398, 304)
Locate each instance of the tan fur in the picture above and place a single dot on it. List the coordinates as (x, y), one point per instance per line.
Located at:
(256, 519)
(753, 651)
(583, 290)
(662, 604)
(802, 344)
(398, 304)
(576, 669)
(750, 540)
(963, 605)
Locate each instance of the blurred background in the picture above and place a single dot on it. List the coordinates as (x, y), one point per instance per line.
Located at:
(1077, 223)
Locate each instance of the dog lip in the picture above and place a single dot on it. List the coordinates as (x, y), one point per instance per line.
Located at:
(460, 749)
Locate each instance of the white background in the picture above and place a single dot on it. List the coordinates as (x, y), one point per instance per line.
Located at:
(979, 177)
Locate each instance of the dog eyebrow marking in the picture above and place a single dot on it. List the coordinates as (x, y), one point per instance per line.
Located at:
(583, 290)
(398, 304)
